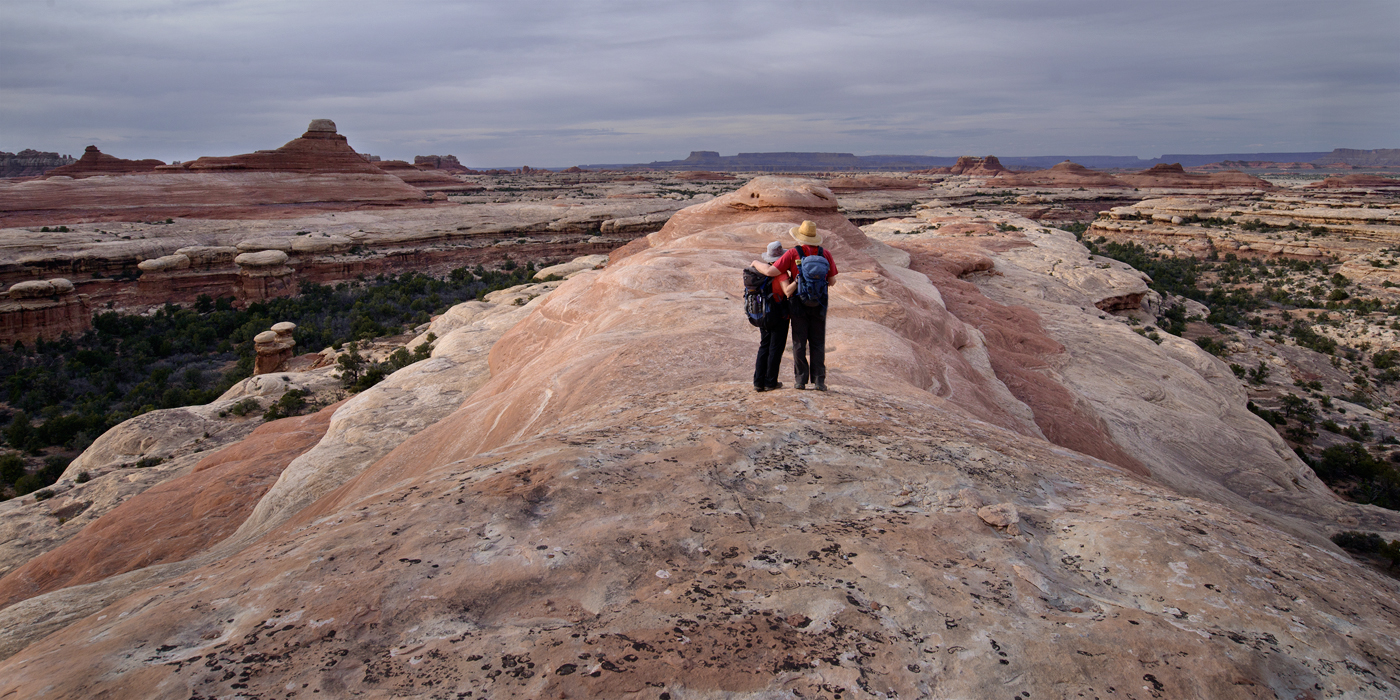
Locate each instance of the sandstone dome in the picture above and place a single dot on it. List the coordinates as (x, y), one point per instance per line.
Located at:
(1004, 494)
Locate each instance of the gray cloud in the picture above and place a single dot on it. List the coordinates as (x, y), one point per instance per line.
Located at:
(552, 83)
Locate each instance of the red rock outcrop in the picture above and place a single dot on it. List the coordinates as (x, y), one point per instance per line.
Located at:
(95, 162)
(42, 309)
(424, 178)
(982, 167)
(1065, 174)
(1172, 175)
(319, 150)
(274, 347)
(176, 519)
(1350, 181)
(318, 171)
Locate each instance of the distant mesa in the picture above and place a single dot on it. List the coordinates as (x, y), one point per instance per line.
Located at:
(31, 163)
(448, 162)
(1379, 157)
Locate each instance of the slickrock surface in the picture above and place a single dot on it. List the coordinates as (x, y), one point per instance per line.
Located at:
(1099, 388)
(615, 513)
(176, 518)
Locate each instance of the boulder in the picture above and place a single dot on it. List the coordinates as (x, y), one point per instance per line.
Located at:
(40, 289)
(165, 263)
(262, 258)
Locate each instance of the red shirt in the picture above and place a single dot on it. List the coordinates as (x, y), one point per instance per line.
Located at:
(788, 263)
(778, 288)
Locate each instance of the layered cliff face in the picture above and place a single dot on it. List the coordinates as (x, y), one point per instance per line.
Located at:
(30, 163)
(581, 496)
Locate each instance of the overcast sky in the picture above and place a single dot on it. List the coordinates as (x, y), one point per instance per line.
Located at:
(544, 83)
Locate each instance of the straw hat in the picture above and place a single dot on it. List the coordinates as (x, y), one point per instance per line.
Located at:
(806, 234)
(775, 251)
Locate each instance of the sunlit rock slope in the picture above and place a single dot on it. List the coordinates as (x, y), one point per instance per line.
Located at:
(1002, 495)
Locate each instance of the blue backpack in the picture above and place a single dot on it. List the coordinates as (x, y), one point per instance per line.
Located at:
(811, 278)
(758, 296)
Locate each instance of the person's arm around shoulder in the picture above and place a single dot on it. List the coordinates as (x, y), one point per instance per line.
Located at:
(766, 269)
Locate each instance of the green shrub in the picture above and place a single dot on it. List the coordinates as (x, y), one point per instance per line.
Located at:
(43, 495)
(290, 404)
(29, 483)
(11, 468)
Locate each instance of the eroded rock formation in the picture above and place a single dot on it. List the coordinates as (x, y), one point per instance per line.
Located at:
(42, 309)
(604, 508)
(319, 170)
(274, 347)
(95, 162)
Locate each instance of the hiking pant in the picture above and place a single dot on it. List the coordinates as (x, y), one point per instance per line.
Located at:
(772, 340)
(808, 332)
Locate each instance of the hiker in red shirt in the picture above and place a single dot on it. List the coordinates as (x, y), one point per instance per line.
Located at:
(812, 268)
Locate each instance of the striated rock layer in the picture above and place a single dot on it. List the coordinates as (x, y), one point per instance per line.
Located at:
(615, 513)
(316, 171)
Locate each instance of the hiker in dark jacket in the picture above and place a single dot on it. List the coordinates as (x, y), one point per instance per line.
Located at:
(774, 329)
(807, 303)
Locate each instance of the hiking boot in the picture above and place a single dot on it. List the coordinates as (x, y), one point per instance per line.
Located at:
(775, 386)
(821, 385)
(800, 386)
(760, 389)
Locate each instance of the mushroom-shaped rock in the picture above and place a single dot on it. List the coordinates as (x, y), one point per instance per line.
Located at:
(262, 258)
(274, 347)
(165, 263)
(321, 125)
